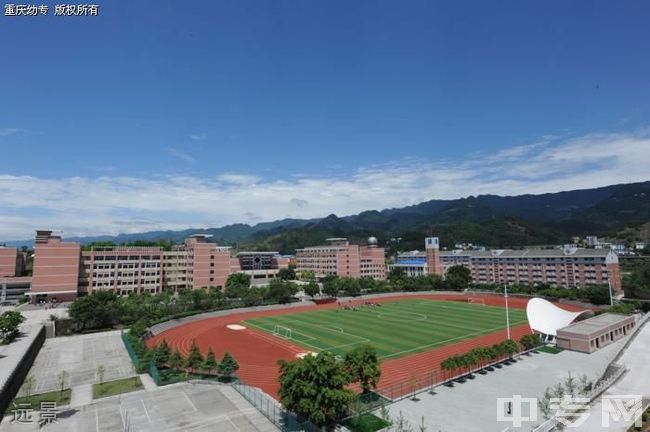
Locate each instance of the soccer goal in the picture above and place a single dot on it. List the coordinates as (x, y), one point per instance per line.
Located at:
(479, 301)
(282, 331)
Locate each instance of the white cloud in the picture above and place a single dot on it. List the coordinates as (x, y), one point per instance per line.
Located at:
(185, 157)
(5, 132)
(111, 204)
(198, 137)
(238, 179)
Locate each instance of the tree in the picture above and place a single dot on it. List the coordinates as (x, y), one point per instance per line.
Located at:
(400, 424)
(240, 279)
(282, 291)
(315, 387)
(175, 360)
(396, 273)
(287, 273)
(228, 365)
(99, 310)
(363, 366)
(62, 379)
(10, 325)
(637, 283)
(598, 295)
(530, 341)
(252, 297)
(162, 353)
(349, 285)
(331, 287)
(194, 358)
(101, 370)
(422, 426)
(545, 403)
(237, 284)
(458, 277)
(308, 276)
(210, 363)
(312, 289)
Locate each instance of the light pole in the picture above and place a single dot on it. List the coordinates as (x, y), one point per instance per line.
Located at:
(611, 299)
(505, 295)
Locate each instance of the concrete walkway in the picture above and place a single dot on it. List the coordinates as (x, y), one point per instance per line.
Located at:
(82, 394)
(148, 382)
(254, 416)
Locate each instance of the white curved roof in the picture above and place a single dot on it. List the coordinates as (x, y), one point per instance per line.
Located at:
(545, 317)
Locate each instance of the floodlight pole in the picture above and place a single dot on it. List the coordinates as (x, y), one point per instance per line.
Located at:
(505, 295)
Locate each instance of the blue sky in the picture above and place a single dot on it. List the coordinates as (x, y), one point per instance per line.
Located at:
(175, 114)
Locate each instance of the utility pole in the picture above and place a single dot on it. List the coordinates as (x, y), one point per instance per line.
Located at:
(505, 295)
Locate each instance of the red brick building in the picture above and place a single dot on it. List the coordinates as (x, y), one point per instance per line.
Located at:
(62, 270)
(340, 258)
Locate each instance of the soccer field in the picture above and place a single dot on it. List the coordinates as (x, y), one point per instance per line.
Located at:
(395, 329)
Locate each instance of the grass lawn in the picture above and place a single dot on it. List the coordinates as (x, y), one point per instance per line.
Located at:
(34, 401)
(110, 388)
(395, 328)
(365, 423)
(550, 349)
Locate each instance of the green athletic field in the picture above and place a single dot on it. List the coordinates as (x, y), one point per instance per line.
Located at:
(395, 328)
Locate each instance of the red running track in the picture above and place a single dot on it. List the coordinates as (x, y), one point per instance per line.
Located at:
(258, 352)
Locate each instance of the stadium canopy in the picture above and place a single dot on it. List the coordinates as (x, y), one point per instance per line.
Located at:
(544, 317)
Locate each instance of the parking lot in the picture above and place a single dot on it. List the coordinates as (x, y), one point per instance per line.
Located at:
(178, 407)
(79, 356)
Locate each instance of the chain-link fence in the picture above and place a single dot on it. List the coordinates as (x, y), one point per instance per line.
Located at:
(272, 410)
(129, 348)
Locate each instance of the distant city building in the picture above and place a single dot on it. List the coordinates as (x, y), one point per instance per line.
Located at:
(569, 266)
(340, 258)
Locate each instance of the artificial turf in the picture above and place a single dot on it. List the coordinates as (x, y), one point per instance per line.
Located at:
(395, 329)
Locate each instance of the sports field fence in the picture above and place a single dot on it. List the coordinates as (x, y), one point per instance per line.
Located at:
(129, 349)
(285, 420)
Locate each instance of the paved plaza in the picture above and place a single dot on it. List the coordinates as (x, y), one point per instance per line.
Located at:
(178, 407)
(472, 406)
(79, 356)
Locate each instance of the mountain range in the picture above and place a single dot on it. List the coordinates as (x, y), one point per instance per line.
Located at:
(621, 211)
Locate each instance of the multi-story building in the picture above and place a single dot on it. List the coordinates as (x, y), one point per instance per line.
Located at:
(62, 270)
(57, 268)
(413, 263)
(417, 263)
(568, 267)
(121, 269)
(261, 266)
(13, 285)
(340, 258)
(10, 262)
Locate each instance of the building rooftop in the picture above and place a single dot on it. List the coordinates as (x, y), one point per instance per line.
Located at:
(257, 253)
(532, 253)
(594, 324)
